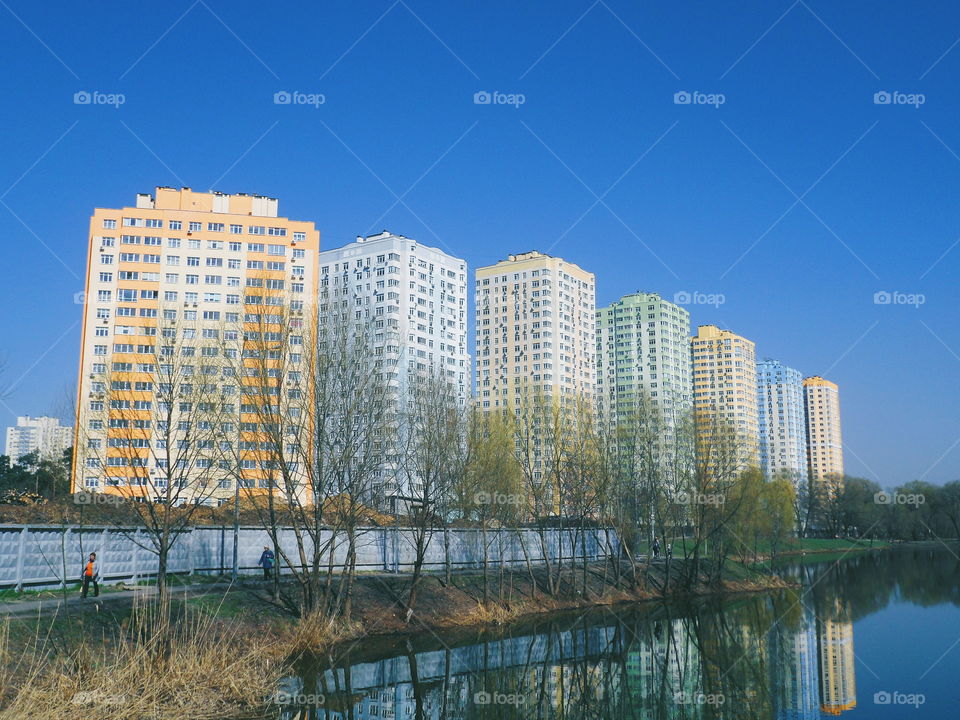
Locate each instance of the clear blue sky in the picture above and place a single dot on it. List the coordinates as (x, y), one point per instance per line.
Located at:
(797, 199)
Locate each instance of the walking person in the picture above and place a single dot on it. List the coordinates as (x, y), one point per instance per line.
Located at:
(656, 547)
(669, 551)
(266, 561)
(90, 576)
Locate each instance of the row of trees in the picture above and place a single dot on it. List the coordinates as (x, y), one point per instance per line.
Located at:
(315, 424)
(32, 477)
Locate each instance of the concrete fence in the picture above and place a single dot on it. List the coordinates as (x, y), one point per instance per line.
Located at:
(44, 555)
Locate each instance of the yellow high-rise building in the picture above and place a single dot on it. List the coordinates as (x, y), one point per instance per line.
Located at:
(196, 307)
(724, 372)
(824, 439)
(536, 355)
(535, 325)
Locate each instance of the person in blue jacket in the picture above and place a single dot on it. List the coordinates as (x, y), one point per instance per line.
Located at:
(266, 561)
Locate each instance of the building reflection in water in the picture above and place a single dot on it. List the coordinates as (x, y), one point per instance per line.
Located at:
(755, 658)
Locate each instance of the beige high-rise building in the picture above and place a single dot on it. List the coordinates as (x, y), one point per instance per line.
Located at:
(535, 325)
(824, 440)
(725, 392)
(536, 350)
(196, 311)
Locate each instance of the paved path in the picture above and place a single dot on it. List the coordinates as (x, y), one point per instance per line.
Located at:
(50, 605)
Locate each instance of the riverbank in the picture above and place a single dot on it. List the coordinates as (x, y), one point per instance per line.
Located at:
(232, 647)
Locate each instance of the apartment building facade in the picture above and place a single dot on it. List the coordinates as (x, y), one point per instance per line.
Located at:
(193, 302)
(781, 418)
(824, 437)
(724, 373)
(643, 359)
(535, 330)
(413, 299)
(42, 435)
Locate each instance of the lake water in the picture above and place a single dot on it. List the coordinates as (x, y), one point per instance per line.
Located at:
(870, 635)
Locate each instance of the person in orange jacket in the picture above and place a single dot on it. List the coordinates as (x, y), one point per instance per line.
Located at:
(90, 576)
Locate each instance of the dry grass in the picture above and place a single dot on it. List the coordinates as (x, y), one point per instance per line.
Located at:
(314, 634)
(201, 668)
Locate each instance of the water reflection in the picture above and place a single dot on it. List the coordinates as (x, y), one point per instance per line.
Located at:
(787, 655)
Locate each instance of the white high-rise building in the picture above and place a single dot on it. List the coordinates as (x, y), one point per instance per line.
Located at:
(781, 419)
(414, 298)
(43, 435)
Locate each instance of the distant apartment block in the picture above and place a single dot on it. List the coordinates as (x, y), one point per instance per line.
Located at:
(42, 435)
(781, 419)
(725, 392)
(824, 439)
(413, 298)
(643, 360)
(183, 288)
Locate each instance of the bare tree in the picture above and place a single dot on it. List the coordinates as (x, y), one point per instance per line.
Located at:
(151, 426)
(434, 452)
